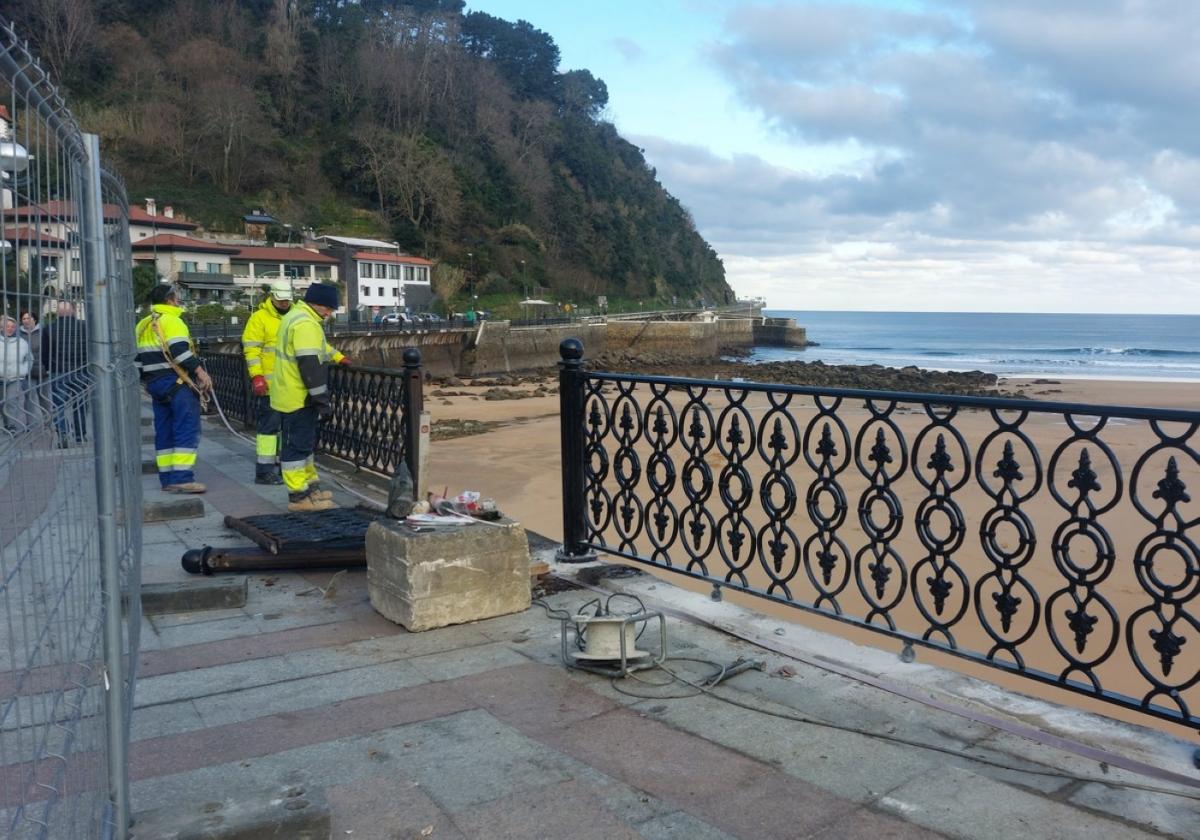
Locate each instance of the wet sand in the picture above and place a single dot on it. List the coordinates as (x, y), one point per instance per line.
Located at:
(517, 463)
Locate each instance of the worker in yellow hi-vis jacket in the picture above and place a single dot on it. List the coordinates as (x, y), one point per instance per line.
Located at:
(258, 346)
(300, 393)
(176, 381)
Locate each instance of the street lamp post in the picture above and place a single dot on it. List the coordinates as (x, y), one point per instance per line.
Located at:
(471, 274)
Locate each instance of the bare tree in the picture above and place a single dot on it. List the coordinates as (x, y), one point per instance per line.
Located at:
(63, 28)
(412, 178)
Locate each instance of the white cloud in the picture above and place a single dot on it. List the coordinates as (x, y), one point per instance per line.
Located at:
(1006, 146)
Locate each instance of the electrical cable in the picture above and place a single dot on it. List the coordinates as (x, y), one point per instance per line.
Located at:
(709, 684)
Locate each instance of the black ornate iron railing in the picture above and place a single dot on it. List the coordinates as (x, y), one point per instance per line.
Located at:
(936, 520)
(372, 407)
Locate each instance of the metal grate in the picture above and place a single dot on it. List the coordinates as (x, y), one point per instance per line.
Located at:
(284, 533)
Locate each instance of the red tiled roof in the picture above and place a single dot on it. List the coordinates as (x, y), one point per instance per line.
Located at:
(138, 216)
(28, 234)
(371, 256)
(172, 242)
(293, 255)
(64, 211)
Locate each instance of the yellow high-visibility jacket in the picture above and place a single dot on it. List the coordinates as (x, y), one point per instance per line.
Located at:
(258, 339)
(301, 355)
(151, 362)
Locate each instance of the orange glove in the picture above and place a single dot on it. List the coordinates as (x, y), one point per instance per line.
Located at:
(345, 360)
(259, 385)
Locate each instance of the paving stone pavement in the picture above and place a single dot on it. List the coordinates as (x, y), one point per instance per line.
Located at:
(476, 731)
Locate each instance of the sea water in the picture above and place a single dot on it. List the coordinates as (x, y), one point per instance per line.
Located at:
(1164, 347)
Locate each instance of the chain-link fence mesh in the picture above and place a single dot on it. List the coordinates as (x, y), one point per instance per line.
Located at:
(70, 503)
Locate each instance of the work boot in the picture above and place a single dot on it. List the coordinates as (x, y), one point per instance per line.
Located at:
(317, 493)
(268, 478)
(186, 487)
(309, 504)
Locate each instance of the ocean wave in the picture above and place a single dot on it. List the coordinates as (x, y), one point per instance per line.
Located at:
(1113, 351)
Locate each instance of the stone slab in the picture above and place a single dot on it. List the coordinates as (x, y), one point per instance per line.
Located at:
(286, 813)
(203, 593)
(427, 580)
(181, 508)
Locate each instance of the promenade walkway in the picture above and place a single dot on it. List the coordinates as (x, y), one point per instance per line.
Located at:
(476, 731)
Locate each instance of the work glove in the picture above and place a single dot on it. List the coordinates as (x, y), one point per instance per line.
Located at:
(345, 360)
(259, 385)
(324, 411)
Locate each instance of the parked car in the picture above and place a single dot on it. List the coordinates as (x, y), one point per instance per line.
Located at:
(429, 319)
(401, 318)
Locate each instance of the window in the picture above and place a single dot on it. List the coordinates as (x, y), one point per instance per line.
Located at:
(188, 265)
(408, 274)
(364, 269)
(380, 270)
(393, 272)
(381, 291)
(395, 291)
(323, 272)
(366, 291)
(214, 268)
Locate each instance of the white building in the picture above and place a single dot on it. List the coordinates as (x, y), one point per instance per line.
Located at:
(378, 276)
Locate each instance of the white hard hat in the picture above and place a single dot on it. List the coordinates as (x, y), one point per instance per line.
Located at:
(281, 290)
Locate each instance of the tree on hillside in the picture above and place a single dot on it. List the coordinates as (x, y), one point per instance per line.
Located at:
(526, 56)
(447, 281)
(406, 120)
(412, 178)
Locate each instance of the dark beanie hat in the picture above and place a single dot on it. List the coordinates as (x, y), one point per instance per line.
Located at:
(322, 295)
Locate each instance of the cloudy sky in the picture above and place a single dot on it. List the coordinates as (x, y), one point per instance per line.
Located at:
(961, 155)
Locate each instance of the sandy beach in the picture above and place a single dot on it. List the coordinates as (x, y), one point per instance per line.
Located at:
(516, 461)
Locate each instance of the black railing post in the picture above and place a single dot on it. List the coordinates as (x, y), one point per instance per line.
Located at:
(414, 407)
(571, 406)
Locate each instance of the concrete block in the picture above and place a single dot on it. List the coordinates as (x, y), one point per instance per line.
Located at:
(182, 508)
(287, 813)
(434, 579)
(206, 593)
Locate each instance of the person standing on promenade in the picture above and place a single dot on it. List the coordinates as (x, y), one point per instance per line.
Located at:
(65, 360)
(175, 380)
(300, 393)
(258, 346)
(16, 360)
(37, 396)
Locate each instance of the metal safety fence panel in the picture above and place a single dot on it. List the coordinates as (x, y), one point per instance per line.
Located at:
(70, 489)
(374, 424)
(1056, 542)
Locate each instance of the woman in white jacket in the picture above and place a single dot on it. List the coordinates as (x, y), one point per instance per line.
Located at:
(16, 360)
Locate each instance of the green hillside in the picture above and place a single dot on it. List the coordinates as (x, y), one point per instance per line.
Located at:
(451, 133)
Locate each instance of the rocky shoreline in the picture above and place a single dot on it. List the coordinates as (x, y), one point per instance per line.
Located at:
(814, 374)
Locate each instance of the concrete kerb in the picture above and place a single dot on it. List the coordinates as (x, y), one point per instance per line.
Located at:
(297, 812)
(176, 508)
(209, 593)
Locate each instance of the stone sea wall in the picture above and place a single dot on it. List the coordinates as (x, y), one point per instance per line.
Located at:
(498, 347)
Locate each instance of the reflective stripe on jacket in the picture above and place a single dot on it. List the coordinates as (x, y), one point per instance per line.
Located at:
(301, 354)
(258, 339)
(150, 359)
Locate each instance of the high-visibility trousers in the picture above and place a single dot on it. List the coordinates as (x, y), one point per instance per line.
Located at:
(296, 458)
(176, 429)
(266, 438)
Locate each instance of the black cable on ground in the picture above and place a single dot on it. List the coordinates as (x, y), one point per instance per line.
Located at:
(707, 687)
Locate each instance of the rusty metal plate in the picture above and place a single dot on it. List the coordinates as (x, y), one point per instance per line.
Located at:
(284, 533)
